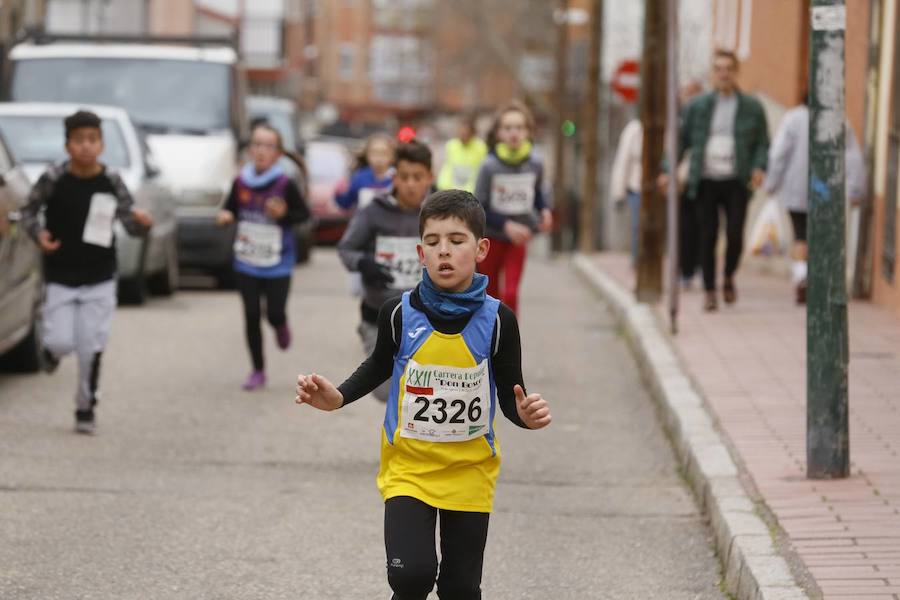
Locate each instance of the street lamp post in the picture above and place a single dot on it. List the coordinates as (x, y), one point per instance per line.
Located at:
(827, 434)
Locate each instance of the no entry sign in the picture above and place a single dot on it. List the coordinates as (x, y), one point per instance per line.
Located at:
(626, 80)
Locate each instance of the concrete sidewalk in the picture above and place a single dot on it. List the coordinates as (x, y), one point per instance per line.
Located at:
(748, 363)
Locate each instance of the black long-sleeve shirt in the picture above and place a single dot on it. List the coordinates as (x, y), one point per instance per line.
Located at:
(506, 360)
(65, 200)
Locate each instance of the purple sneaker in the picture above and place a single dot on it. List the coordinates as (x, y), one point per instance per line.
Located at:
(283, 335)
(255, 380)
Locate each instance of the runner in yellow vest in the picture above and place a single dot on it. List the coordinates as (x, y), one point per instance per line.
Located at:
(462, 159)
(452, 354)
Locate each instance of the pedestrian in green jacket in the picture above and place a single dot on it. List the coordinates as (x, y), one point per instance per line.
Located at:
(726, 133)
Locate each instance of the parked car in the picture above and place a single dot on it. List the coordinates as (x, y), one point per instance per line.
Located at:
(186, 94)
(36, 136)
(282, 115)
(328, 163)
(20, 273)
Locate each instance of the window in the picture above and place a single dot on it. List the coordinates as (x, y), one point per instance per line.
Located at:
(346, 61)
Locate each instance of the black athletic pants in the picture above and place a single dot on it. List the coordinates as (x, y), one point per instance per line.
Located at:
(412, 566)
(253, 289)
(714, 196)
(688, 237)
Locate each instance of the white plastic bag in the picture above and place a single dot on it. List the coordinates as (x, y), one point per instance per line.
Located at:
(768, 237)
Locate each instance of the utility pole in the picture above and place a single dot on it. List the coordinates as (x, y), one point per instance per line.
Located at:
(827, 432)
(672, 159)
(561, 102)
(591, 131)
(653, 118)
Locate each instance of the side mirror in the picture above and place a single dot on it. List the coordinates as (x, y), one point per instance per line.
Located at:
(152, 171)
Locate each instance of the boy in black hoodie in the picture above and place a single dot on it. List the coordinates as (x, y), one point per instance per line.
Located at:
(80, 201)
(380, 242)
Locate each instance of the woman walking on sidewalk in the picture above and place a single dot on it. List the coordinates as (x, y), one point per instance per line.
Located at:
(788, 178)
(266, 204)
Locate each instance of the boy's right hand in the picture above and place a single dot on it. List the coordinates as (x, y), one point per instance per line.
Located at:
(374, 274)
(318, 392)
(47, 243)
(517, 233)
(224, 218)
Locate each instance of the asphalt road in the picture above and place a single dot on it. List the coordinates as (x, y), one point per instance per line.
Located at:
(195, 489)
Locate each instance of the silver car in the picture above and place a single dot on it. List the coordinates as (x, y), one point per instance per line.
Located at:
(20, 273)
(36, 136)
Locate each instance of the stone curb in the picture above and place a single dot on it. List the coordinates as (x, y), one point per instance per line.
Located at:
(752, 567)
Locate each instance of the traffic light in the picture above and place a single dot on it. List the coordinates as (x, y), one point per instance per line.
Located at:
(568, 128)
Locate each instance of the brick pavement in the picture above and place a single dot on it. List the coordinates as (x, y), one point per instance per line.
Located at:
(749, 362)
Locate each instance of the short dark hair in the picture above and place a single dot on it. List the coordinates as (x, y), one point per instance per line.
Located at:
(723, 53)
(414, 152)
(82, 119)
(454, 203)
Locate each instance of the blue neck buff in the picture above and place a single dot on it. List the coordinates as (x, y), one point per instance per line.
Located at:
(258, 180)
(453, 304)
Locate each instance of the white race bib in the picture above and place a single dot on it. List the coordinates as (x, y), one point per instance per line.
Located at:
(366, 195)
(513, 193)
(445, 404)
(98, 228)
(719, 157)
(258, 244)
(399, 254)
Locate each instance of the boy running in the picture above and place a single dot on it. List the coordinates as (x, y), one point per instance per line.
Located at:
(452, 354)
(380, 242)
(80, 200)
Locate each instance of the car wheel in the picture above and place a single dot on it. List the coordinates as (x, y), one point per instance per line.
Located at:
(25, 357)
(165, 282)
(304, 246)
(132, 290)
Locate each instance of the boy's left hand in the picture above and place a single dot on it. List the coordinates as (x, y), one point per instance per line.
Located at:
(532, 409)
(142, 217)
(546, 220)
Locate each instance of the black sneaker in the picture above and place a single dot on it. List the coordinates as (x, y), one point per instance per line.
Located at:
(85, 422)
(49, 362)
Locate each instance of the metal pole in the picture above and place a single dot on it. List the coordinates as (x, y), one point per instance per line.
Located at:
(862, 273)
(672, 156)
(827, 433)
(560, 201)
(586, 235)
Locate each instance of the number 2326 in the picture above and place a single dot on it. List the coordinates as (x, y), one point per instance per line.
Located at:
(441, 415)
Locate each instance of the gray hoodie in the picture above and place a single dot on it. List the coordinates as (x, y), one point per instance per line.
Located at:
(388, 233)
(510, 192)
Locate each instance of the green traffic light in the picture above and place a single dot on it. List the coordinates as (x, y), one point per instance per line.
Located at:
(568, 128)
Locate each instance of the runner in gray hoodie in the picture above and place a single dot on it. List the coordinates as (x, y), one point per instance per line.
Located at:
(380, 242)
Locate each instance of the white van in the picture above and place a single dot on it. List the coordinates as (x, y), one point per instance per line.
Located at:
(187, 96)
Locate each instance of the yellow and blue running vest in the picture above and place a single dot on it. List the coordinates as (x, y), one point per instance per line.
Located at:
(438, 443)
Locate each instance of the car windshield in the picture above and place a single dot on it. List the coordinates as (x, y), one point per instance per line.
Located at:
(326, 162)
(176, 96)
(41, 139)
